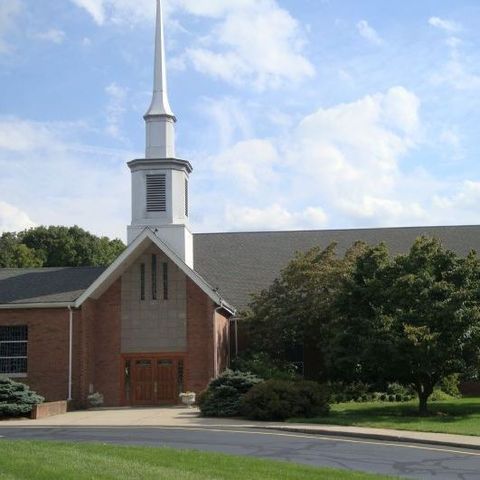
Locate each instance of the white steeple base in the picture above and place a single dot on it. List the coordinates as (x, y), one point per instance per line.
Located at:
(178, 237)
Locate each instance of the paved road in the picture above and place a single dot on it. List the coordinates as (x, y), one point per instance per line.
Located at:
(403, 460)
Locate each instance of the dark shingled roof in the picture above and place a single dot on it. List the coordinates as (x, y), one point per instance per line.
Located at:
(241, 263)
(238, 264)
(45, 285)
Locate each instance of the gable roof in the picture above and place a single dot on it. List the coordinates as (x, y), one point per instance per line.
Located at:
(128, 256)
(230, 266)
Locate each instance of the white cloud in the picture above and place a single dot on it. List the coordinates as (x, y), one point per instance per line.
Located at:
(251, 41)
(116, 109)
(339, 165)
(9, 11)
(465, 198)
(118, 11)
(458, 71)
(250, 162)
(12, 219)
(369, 33)
(274, 217)
(51, 174)
(53, 35)
(447, 25)
(95, 8)
(258, 43)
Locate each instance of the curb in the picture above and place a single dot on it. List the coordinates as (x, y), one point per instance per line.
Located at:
(401, 438)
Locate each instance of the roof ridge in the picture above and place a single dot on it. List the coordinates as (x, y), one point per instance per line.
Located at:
(326, 230)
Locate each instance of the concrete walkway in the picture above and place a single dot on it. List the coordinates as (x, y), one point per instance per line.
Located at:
(180, 417)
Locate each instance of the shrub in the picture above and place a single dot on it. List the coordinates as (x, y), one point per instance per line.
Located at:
(224, 395)
(281, 399)
(16, 399)
(398, 389)
(95, 400)
(439, 396)
(261, 365)
(450, 384)
(346, 392)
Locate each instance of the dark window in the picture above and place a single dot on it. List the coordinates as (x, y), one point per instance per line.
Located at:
(157, 193)
(186, 197)
(180, 376)
(165, 281)
(13, 350)
(154, 277)
(142, 281)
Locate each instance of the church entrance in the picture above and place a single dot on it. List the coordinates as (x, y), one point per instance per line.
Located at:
(153, 380)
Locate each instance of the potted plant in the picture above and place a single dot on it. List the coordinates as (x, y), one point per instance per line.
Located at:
(95, 400)
(188, 398)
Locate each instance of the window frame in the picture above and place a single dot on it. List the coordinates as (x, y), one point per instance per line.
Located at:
(165, 280)
(24, 341)
(154, 267)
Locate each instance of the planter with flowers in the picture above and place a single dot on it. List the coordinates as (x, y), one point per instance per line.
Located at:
(188, 398)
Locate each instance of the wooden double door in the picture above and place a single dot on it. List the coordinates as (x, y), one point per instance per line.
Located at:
(154, 381)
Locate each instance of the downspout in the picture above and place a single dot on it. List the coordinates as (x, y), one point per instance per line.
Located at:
(70, 352)
(236, 336)
(215, 343)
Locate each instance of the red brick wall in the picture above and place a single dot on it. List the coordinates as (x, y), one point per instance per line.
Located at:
(107, 345)
(48, 337)
(223, 339)
(199, 362)
(49, 409)
(97, 346)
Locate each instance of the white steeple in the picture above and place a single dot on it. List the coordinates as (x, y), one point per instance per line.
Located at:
(160, 180)
(160, 119)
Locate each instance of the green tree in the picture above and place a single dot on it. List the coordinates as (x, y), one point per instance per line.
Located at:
(297, 309)
(57, 247)
(14, 254)
(414, 318)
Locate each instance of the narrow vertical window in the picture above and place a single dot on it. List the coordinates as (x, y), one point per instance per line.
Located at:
(165, 281)
(154, 277)
(142, 281)
(186, 197)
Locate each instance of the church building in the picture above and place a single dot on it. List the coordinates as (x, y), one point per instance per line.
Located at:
(162, 318)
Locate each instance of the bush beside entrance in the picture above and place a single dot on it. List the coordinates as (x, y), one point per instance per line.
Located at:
(237, 393)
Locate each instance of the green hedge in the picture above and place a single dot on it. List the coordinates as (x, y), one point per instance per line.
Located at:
(281, 399)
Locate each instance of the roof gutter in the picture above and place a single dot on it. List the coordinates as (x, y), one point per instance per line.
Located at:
(225, 306)
(26, 306)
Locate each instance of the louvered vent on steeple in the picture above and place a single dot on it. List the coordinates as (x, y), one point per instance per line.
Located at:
(157, 193)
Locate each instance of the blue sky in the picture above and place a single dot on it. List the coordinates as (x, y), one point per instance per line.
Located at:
(296, 114)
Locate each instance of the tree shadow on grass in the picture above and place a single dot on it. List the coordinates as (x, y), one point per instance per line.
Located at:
(441, 413)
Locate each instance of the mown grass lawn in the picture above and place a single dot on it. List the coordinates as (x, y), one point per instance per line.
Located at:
(51, 460)
(460, 416)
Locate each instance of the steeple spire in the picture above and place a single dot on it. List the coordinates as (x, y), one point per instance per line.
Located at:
(160, 180)
(159, 118)
(160, 104)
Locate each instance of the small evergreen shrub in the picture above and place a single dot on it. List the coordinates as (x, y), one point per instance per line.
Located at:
(281, 399)
(450, 385)
(224, 395)
(95, 400)
(16, 399)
